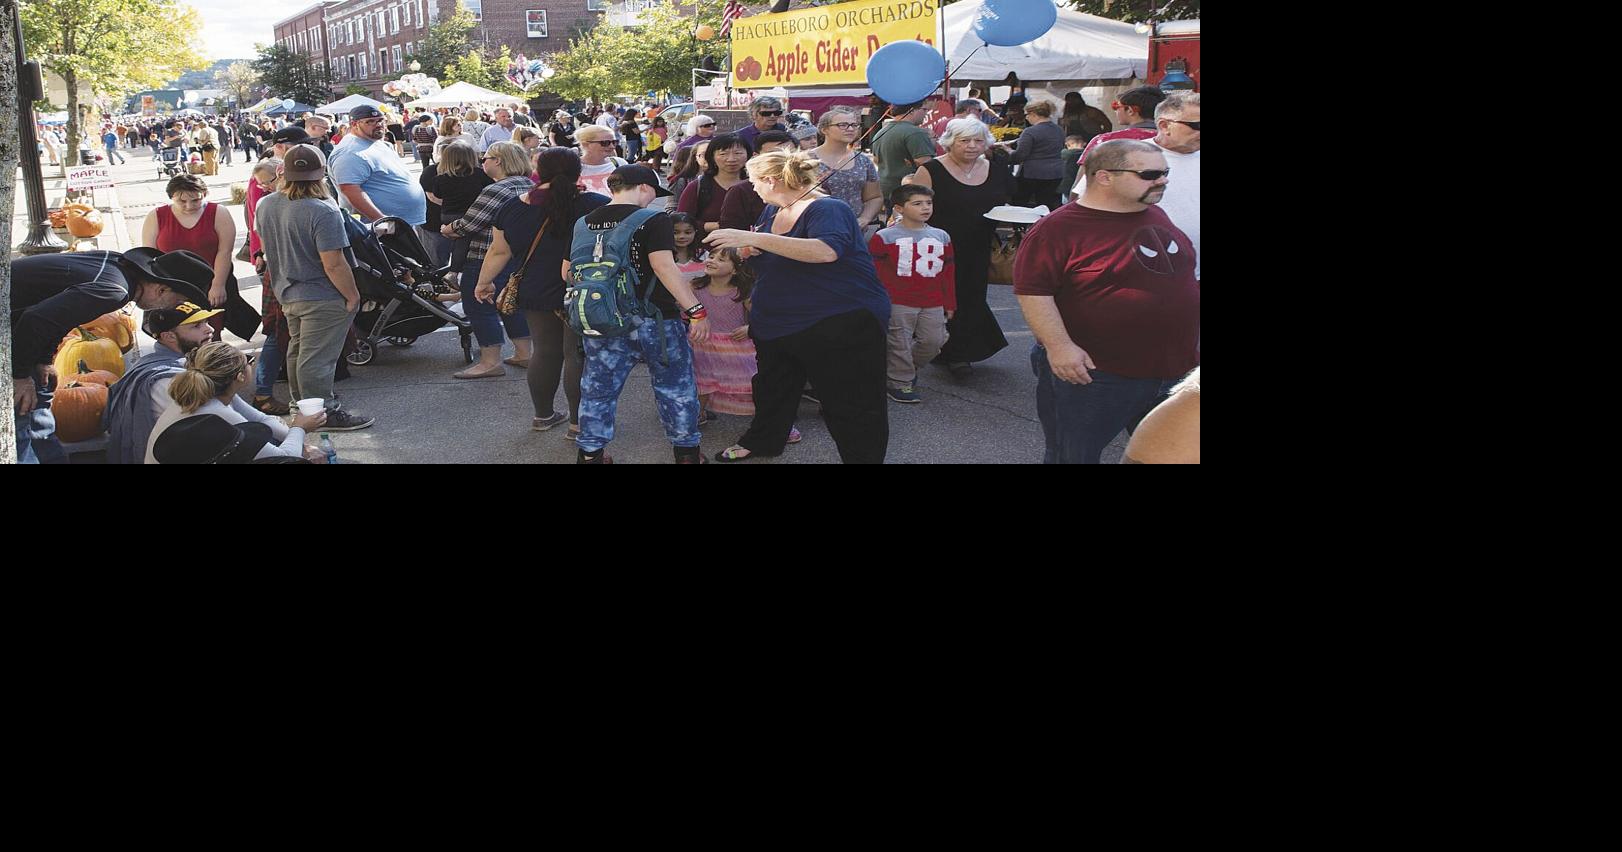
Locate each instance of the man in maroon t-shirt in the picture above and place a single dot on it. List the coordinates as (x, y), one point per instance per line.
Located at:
(1107, 286)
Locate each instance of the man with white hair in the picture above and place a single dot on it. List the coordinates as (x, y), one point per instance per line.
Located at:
(1107, 286)
(501, 131)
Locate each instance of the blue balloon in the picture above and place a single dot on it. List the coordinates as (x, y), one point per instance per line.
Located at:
(905, 72)
(1009, 23)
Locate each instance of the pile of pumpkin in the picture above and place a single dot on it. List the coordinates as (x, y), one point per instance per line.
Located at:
(80, 220)
(90, 359)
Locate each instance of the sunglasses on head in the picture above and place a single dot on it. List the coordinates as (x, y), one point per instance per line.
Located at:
(1146, 174)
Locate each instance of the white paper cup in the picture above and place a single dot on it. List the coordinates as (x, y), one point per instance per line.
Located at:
(312, 406)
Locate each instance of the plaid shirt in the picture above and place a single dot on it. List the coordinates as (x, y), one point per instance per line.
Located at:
(481, 217)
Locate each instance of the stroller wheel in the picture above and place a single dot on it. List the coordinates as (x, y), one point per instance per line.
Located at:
(401, 341)
(363, 354)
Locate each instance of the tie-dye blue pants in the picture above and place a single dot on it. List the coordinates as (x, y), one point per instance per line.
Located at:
(608, 364)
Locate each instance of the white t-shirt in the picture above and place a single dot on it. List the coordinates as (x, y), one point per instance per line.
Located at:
(1182, 199)
(286, 440)
(595, 178)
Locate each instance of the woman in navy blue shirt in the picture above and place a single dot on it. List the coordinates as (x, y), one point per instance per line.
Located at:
(818, 311)
(556, 203)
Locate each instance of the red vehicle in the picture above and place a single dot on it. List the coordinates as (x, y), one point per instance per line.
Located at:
(1171, 42)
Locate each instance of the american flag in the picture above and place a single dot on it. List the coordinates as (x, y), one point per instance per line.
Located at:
(734, 11)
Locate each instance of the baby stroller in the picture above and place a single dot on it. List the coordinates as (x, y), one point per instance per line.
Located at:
(170, 162)
(398, 289)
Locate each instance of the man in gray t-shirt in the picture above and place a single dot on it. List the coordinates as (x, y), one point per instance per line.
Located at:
(304, 241)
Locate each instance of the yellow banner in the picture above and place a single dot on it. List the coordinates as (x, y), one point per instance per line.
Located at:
(826, 44)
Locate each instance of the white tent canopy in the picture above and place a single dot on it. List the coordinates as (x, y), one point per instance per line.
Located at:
(457, 94)
(347, 104)
(1079, 47)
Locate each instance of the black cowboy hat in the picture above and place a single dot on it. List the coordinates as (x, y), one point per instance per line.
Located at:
(208, 439)
(188, 274)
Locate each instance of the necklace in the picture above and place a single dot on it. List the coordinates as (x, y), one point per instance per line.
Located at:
(967, 176)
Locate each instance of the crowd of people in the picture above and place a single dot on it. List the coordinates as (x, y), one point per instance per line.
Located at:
(786, 260)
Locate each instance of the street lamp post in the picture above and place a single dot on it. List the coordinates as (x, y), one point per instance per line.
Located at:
(41, 239)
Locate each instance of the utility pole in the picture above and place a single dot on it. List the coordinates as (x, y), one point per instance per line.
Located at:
(41, 239)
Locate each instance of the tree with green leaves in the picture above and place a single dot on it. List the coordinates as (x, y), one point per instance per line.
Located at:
(447, 43)
(240, 81)
(112, 47)
(659, 54)
(1139, 11)
(290, 74)
(482, 68)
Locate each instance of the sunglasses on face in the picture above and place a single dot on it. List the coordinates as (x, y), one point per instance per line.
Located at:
(607, 143)
(1146, 174)
(1192, 125)
(770, 113)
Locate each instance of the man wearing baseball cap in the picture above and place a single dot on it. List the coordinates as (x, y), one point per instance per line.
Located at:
(663, 345)
(51, 294)
(136, 401)
(371, 174)
(304, 240)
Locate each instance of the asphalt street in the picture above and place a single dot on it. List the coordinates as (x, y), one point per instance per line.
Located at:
(426, 416)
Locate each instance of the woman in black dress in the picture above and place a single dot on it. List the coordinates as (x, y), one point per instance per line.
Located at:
(967, 185)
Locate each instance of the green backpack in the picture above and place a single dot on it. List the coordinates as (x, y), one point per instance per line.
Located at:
(605, 297)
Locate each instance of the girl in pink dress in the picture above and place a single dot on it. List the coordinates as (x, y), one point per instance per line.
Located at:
(724, 365)
(689, 251)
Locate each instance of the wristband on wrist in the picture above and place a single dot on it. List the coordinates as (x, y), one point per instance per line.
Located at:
(697, 311)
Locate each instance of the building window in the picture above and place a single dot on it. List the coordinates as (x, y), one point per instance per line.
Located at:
(383, 62)
(398, 65)
(363, 74)
(476, 7)
(394, 19)
(535, 23)
(405, 14)
(597, 5)
(422, 20)
(410, 47)
(351, 66)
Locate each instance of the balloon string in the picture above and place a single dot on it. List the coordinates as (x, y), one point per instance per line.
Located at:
(856, 151)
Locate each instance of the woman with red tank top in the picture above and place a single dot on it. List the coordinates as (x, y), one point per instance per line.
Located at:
(189, 222)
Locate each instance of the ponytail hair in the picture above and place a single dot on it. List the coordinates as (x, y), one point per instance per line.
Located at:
(211, 369)
(793, 170)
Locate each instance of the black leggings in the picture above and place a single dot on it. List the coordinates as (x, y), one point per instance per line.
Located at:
(557, 355)
(844, 358)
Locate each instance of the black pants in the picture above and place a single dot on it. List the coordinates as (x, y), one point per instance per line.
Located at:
(843, 356)
(1032, 193)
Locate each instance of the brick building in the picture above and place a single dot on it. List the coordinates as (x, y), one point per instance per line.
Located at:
(305, 32)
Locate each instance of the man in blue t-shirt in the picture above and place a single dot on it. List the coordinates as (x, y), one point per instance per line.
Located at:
(371, 175)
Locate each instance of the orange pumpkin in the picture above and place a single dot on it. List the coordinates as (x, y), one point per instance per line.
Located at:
(117, 326)
(98, 353)
(84, 221)
(87, 376)
(78, 409)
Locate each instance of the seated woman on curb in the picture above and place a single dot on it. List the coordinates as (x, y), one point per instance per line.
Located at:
(215, 374)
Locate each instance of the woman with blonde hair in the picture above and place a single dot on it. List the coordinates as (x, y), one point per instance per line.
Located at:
(473, 127)
(214, 376)
(818, 312)
(508, 165)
